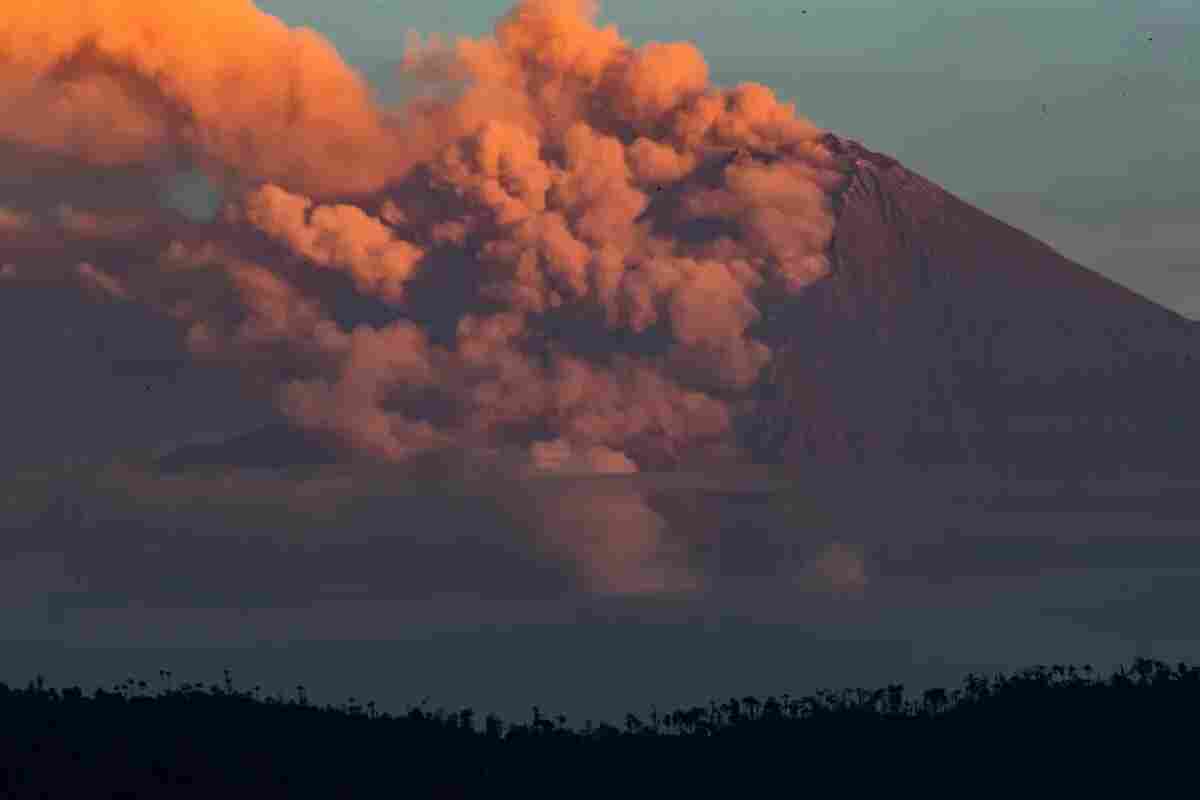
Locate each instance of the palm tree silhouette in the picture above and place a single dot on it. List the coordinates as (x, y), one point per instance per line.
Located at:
(934, 699)
(751, 704)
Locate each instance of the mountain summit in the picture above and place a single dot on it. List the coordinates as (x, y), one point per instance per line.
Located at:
(944, 336)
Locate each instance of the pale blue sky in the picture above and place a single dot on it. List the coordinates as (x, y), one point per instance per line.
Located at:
(1107, 174)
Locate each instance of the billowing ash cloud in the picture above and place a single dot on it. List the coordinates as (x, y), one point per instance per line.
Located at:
(561, 243)
(118, 83)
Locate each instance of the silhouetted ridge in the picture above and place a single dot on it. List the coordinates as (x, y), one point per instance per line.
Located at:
(274, 446)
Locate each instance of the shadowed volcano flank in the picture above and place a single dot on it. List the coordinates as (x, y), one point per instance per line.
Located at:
(274, 446)
(943, 335)
(918, 235)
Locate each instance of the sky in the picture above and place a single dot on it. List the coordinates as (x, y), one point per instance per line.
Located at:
(1074, 122)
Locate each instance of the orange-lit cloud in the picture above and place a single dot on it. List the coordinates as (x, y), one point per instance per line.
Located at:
(569, 240)
(114, 82)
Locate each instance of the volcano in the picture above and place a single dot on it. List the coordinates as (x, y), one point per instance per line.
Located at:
(942, 336)
(945, 336)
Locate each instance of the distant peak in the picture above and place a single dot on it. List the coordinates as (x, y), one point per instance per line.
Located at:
(856, 154)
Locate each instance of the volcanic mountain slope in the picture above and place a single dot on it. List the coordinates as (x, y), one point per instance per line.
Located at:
(944, 335)
(274, 446)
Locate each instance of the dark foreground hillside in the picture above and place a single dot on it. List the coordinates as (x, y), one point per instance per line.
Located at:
(1059, 724)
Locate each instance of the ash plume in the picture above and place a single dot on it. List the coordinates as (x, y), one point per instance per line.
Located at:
(561, 242)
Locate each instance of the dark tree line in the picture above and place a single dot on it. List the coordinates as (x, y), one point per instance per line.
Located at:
(192, 740)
